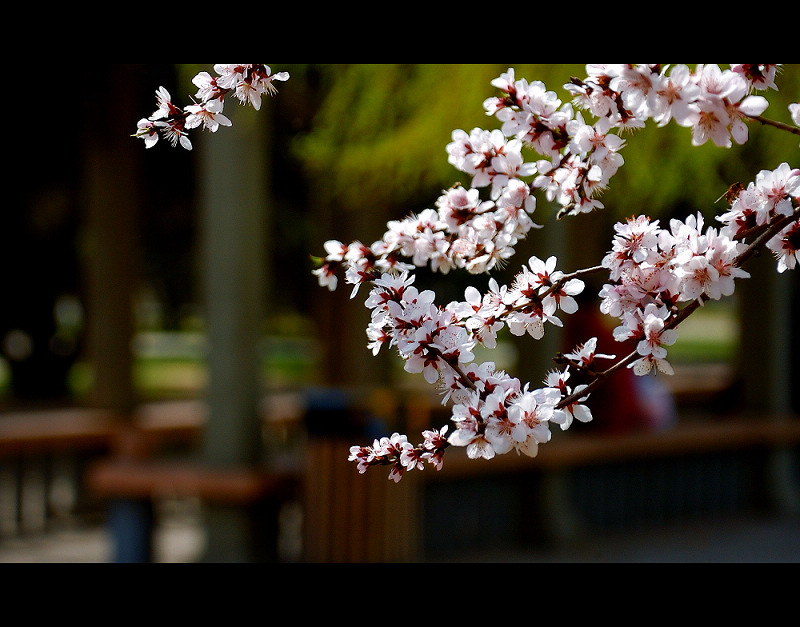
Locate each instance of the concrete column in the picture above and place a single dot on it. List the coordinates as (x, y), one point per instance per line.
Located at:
(233, 174)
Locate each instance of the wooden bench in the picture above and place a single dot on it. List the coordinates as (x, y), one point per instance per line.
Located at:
(132, 487)
(142, 457)
(154, 479)
(36, 433)
(28, 434)
(39, 448)
(135, 467)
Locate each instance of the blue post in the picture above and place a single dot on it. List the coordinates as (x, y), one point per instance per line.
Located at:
(131, 524)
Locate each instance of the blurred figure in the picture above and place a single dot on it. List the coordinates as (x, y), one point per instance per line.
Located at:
(625, 403)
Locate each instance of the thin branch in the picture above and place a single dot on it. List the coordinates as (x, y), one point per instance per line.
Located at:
(774, 228)
(599, 380)
(780, 125)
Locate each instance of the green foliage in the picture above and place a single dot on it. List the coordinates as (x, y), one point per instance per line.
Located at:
(380, 134)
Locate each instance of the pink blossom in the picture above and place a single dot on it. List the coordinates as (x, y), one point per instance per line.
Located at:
(165, 109)
(434, 446)
(469, 431)
(147, 131)
(575, 410)
(207, 87)
(534, 410)
(709, 120)
(698, 276)
(778, 187)
(786, 247)
(378, 337)
(459, 205)
(208, 115)
(794, 111)
(651, 270)
(721, 255)
(327, 277)
(412, 458)
(673, 96)
(645, 365)
(718, 85)
(636, 84)
(740, 112)
(586, 354)
(656, 336)
(759, 76)
(361, 455)
(634, 243)
(501, 432)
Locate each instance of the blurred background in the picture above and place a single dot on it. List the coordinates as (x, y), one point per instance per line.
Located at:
(174, 385)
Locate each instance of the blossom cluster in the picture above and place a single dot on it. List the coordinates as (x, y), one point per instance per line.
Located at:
(249, 82)
(653, 271)
(578, 158)
(772, 195)
(492, 412)
(463, 232)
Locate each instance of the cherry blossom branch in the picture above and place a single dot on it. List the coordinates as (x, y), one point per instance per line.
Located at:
(599, 379)
(493, 418)
(249, 82)
(768, 235)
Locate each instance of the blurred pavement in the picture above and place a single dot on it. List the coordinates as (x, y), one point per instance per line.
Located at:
(178, 544)
(735, 540)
